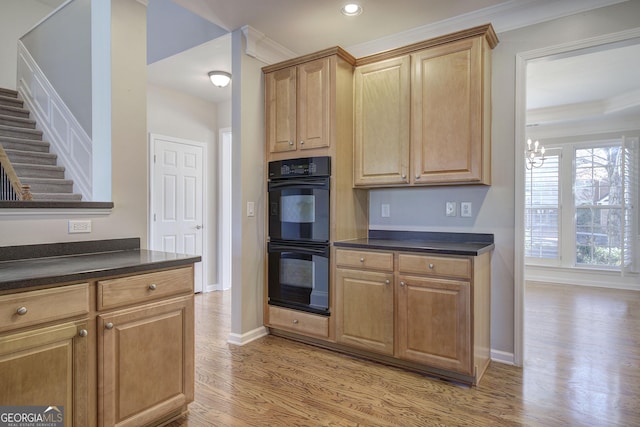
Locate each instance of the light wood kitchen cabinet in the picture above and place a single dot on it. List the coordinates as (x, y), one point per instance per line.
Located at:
(381, 134)
(364, 300)
(44, 352)
(301, 103)
(313, 325)
(428, 312)
(145, 350)
(447, 115)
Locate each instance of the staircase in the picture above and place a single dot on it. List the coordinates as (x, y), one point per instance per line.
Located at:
(29, 154)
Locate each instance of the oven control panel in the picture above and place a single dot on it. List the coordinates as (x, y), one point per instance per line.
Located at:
(307, 166)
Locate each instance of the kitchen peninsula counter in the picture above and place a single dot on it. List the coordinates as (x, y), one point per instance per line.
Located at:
(443, 243)
(36, 266)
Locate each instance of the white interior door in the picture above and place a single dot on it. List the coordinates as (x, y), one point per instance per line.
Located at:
(177, 193)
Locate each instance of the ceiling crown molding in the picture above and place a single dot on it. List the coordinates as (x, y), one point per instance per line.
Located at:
(504, 17)
(261, 47)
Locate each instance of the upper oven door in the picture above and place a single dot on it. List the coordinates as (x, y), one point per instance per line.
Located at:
(299, 209)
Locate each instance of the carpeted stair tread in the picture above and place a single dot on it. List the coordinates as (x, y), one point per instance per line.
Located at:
(8, 92)
(27, 170)
(18, 122)
(56, 197)
(21, 144)
(16, 132)
(32, 157)
(11, 101)
(7, 110)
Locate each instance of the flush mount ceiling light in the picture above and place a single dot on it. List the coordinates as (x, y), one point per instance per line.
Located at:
(351, 9)
(220, 78)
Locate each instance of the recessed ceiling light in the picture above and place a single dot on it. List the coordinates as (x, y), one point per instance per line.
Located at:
(351, 9)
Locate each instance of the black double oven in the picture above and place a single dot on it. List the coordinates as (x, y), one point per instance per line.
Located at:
(298, 248)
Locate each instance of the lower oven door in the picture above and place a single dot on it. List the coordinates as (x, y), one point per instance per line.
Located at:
(299, 276)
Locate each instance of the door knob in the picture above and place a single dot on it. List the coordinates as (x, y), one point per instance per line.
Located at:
(198, 227)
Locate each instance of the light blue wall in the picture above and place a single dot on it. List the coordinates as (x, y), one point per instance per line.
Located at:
(172, 29)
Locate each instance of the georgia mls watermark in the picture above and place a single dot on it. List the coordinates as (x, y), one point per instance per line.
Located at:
(31, 416)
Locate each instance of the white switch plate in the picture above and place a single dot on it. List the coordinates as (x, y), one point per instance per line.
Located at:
(251, 209)
(465, 209)
(450, 209)
(79, 226)
(386, 210)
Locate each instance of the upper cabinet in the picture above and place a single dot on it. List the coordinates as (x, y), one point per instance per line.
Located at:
(301, 99)
(423, 113)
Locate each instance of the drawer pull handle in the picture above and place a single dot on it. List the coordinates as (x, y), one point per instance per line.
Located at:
(431, 266)
(295, 321)
(108, 326)
(21, 311)
(153, 287)
(361, 259)
(83, 333)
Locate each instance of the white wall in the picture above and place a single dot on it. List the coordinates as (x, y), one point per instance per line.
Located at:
(16, 18)
(178, 115)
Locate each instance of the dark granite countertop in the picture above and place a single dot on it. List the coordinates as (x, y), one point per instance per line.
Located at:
(466, 244)
(23, 267)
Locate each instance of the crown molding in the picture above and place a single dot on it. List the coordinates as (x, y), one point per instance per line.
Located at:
(261, 47)
(504, 17)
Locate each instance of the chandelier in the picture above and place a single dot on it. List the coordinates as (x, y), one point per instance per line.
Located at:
(534, 155)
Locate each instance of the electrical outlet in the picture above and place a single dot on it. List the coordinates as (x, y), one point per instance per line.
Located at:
(385, 210)
(79, 226)
(465, 209)
(450, 209)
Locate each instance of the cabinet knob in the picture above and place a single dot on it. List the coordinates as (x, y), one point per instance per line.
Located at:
(153, 287)
(361, 259)
(402, 284)
(417, 177)
(295, 321)
(301, 142)
(431, 266)
(21, 311)
(108, 326)
(404, 176)
(387, 281)
(290, 142)
(83, 333)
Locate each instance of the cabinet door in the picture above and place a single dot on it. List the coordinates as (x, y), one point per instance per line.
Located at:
(280, 110)
(433, 323)
(382, 123)
(314, 88)
(364, 310)
(146, 362)
(47, 367)
(447, 125)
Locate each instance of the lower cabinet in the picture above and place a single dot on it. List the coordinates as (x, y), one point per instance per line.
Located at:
(47, 367)
(430, 311)
(434, 323)
(364, 310)
(114, 352)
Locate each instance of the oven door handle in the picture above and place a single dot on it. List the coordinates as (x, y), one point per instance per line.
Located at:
(310, 183)
(279, 247)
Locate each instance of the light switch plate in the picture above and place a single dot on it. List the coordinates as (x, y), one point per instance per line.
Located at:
(465, 209)
(251, 209)
(385, 210)
(450, 209)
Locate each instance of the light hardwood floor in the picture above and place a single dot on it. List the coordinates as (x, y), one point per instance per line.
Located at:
(582, 368)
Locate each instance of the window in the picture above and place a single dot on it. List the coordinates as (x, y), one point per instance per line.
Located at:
(598, 227)
(542, 210)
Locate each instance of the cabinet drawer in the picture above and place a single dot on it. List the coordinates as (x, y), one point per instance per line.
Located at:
(434, 265)
(298, 321)
(370, 260)
(46, 305)
(143, 287)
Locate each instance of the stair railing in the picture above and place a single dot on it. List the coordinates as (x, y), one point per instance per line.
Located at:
(10, 186)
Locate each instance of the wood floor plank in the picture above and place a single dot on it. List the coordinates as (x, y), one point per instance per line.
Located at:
(582, 368)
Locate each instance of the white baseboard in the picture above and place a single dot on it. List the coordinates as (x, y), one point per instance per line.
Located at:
(247, 337)
(502, 357)
(215, 287)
